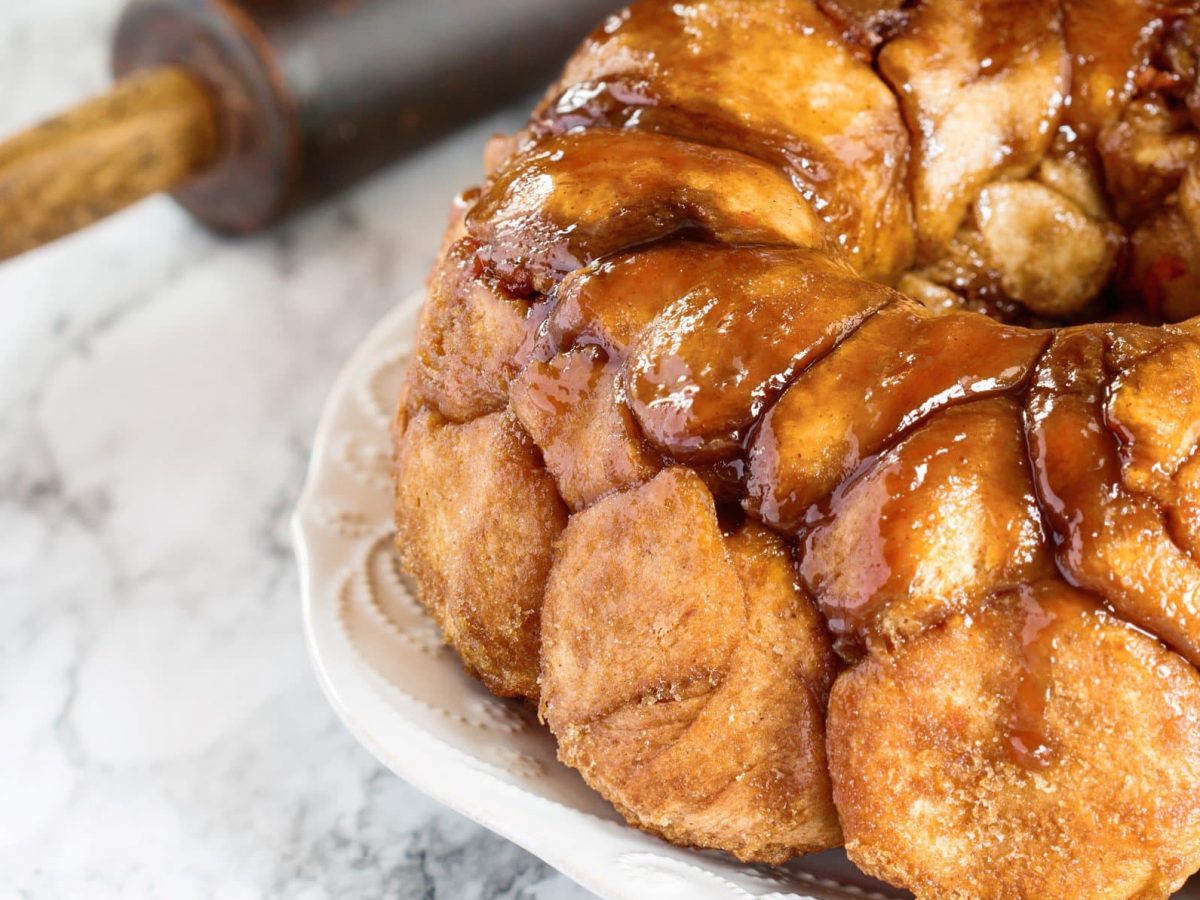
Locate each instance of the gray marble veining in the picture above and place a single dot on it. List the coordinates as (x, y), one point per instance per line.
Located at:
(161, 733)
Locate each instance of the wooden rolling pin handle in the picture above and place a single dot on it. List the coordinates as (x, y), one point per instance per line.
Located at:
(153, 132)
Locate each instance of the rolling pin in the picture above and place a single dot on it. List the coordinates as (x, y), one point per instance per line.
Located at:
(247, 110)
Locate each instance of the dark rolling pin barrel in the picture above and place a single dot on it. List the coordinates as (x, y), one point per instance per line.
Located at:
(250, 109)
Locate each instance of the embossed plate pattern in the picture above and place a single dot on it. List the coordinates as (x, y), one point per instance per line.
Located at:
(404, 696)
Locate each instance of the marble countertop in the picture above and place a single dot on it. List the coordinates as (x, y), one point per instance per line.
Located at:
(161, 732)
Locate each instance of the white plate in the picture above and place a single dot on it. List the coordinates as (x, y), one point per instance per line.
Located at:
(404, 696)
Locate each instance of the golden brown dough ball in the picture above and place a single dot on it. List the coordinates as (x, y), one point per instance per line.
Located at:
(476, 518)
(1039, 749)
(685, 676)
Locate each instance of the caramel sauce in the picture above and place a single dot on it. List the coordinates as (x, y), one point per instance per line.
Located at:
(944, 519)
(1109, 538)
(896, 371)
(580, 197)
(1110, 43)
(694, 220)
(555, 387)
(1045, 608)
(611, 303)
(744, 82)
(713, 360)
(1048, 612)
(622, 103)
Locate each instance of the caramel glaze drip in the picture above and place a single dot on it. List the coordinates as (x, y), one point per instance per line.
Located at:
(696, 274)
(1045, 609)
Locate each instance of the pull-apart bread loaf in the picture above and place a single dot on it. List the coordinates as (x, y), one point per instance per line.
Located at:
(804, 414)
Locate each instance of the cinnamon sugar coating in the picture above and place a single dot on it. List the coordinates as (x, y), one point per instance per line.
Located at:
(794, 325)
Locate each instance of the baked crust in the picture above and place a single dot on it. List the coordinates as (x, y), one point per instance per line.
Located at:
(770, 332)
(934, 796)
(685, 675)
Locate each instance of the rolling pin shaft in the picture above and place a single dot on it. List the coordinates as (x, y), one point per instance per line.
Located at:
(247, 110)
(313, 95)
